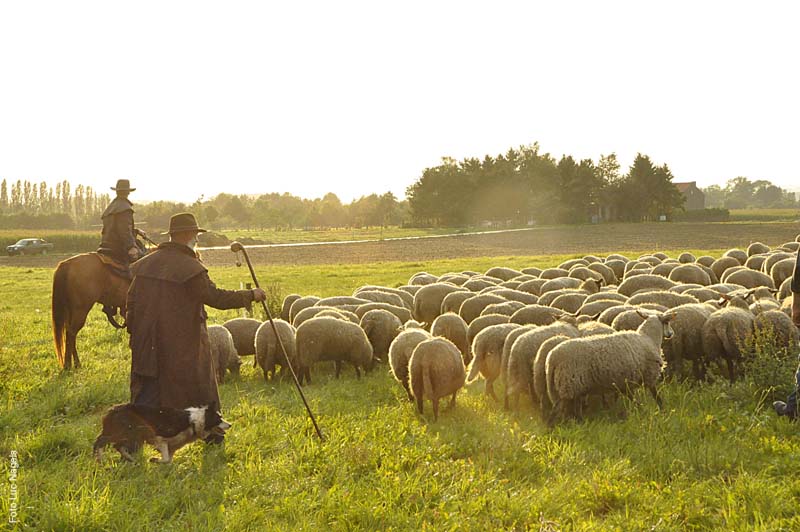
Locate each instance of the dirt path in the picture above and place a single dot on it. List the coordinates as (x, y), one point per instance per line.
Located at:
(537, 241)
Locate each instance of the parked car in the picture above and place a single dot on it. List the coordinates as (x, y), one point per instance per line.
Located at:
(30, 246)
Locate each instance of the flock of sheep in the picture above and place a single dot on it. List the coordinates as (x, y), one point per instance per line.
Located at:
(590, 327)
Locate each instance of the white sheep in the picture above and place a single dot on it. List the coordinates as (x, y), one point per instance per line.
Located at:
(453, 327)
(223, 351)
(381, 327)
(327, 338)
(428, 301)
(400, 354)
(487, 351)
(726, 330)
(268, 352)
(435, 370)
(579, 367)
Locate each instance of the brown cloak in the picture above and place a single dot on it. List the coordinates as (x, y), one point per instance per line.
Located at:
(171, 363)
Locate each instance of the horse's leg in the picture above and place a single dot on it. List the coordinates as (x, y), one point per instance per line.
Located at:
(76, 323)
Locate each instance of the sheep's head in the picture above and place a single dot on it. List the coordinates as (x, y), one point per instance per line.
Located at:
(736, 299)
(663, 318)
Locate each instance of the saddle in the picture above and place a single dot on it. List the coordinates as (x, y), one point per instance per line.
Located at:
(115, 267)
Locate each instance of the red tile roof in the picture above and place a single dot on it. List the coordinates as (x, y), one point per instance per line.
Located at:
(683, 187)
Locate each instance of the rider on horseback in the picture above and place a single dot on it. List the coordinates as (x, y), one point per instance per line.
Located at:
(119, 234)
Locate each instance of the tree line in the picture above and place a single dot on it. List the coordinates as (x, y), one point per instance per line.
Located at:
(742, 193)
(526, 186)
(25, 203)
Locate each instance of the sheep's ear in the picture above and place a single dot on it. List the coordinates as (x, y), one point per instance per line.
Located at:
(722, 301)
(747, 295)
(641, 314)
(668, 317)
(601, 282)
(726, 297)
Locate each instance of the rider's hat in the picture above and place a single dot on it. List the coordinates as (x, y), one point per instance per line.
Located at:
(123, 185)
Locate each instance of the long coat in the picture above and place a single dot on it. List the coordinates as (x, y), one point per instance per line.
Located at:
(166, 319)
(118, 236)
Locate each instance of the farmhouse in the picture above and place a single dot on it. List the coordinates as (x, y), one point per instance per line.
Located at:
(695, 199)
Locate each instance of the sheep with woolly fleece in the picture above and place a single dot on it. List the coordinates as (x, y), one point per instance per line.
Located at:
(689, 274)
(617, 266)
(662, 297)
(687, 342)
(597, 307)
(519, 371)
(287, 305)
(644, 281)
(607, 316)
(478, 284)
(487, 353)
(378, 296)
(664, 269)
(532, 270)
(311, 312)
(413, 324)
(454, 328)
(223, 352)
(605, 271)
(400, 354)
(435, 370)
(617, 256)
(637, 271)
(782, 270)
(583, 273)
(452, 302)
(571, 263)
(410, 290)
(300, 304)
(512, 284)
(402, 313)
(785, 333)
(471, 308)
(268, 352)
(321, 339)
(757, 248)
(705, 260)
(569, 303)
(751, 279)
(606, 295)
(516, 295)
(408, 299)
(737, 254)
(525, 277)
(560, 283)
(723, 263)
(243, 331)
(428, 301)
(536, 315)
(381, 327)
(533, 287)
(422, 279)
(508, 344)
(730, 271)
(792, 247)
(686, 258)
(755, 262)
(457, 279)
(500, 272)
(725, 331)
(652, 260)
(785, 290)
(508, 308)
(553, 273)
(579, 367)
(480, 323)
(628, 320)
(703, 294)
(339, 301)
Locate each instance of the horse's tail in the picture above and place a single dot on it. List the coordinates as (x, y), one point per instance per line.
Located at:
(60, 310)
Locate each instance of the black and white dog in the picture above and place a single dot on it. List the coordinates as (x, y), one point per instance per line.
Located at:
(128, 426)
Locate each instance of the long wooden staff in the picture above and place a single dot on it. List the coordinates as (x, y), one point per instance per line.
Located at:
(237, 247)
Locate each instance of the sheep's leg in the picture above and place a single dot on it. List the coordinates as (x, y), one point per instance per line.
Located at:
(358, 372)
(408, 390)
(489, 390)
(435, 402)
(452, 404)
(577, 408)
(338, 365)
(731, 369)
(551, 419)
(505, 401)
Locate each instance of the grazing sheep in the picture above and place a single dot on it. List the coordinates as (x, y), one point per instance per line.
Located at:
(539, 373)
(533, 287)
(505, 274)
(536, 315)
(408, 299)
(311, 312)
(652, 260)
(400, 355)
(605, 271)
(410, 290)
(508, 308)
(782, 270)
(725, 331)
(471, 308)
(428, 301)
(413, 324)
(321, 339)
(223, 351)
(662, 297)
(340, 314)
(786, 334)
(644, 281)
(377, 296)
(487, 352)
(757, 248)
(287, 305)
(536, 272)
(629, 320)
(705, 260)
(571, 263)
(243, 331)
(553, 273)
(516, 295)
(476, 284)
(618, 267)
(785, 290)
(519, 372)
(402, 313)
(583, 273)
(435, 370)
(637, 271)
(595, 308)
(686, 258)
(592, 259)
(703, 294)
(793, 247)
(454, 278)
(755, 262)
(508, 344)
(664, 269)
(569, 303)
(606, 296)
(737, 254)
(381, 327)
(422, 279)
(510, 284)
(594, 328)
(730, 271)
(750, 279)
(300, 304)
(338, 301)
(480, 323)
(689, 274)
(723, 263)
(608, 315)
(560, 283)
(687, 342)
(452, 302)
(579, 367)
(268, 352)
(453, 327)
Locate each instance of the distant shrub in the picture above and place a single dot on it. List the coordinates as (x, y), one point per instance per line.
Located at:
(703, 215)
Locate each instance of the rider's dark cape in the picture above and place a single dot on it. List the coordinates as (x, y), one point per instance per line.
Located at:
(118, 236)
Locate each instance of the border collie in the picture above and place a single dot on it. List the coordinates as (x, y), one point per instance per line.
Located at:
(128, 426)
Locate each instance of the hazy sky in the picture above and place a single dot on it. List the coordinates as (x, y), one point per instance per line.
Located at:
(198, 97)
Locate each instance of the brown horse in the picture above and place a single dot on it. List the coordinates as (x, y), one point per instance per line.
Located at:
(78, 283)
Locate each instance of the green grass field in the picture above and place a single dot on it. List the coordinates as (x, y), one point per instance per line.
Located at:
(765, 215)
(715, 458)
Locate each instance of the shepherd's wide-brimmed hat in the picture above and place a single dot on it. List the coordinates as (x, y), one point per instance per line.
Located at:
(123, 185)
(183, 221)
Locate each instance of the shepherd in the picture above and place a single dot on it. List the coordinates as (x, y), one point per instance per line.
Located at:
(119, 234)
(171, 363)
